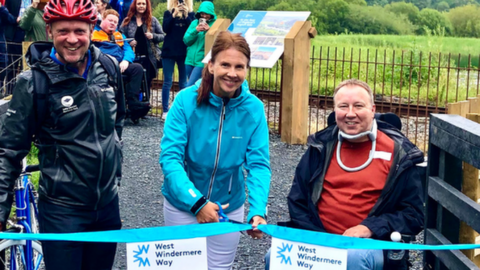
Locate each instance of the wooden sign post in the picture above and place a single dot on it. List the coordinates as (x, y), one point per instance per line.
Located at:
(295, 83)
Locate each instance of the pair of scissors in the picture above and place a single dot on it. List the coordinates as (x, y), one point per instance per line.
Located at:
(222, 217)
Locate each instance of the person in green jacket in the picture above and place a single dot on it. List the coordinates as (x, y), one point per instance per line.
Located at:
(32, 22)
(195, 40)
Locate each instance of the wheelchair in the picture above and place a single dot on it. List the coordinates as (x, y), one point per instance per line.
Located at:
(141, 109)
(395, 259)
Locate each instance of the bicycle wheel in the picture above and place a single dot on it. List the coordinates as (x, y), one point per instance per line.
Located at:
(12, 252)
(14, 258)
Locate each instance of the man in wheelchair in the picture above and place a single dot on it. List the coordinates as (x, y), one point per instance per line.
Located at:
(112, 42)
(359, 178)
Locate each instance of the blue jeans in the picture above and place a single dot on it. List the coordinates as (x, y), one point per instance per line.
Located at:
(193, 74)
(168, 67)
(357, 259)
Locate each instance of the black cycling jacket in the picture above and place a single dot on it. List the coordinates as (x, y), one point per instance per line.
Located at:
(79, 140)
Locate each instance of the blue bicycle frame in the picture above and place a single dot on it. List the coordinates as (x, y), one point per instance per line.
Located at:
(24, 198)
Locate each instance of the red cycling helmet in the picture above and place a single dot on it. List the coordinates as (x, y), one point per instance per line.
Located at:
(80, 10)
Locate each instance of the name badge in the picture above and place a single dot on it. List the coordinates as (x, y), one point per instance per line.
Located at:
(173, 254)
(382, 155)
(287, 255)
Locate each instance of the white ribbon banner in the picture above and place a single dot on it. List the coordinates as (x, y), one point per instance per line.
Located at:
(174, 254)
(287, 255)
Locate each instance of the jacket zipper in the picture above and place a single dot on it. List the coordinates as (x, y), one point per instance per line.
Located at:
(97, 142)
(101, 111)
(57, 173)
(397, 174)
(217, 155)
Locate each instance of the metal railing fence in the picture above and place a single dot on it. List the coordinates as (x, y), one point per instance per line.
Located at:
(10, 66)
(411, 84)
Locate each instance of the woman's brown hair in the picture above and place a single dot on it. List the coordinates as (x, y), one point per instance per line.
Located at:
(146, 17)
(224, 41)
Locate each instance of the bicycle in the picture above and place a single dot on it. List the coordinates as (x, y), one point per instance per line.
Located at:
(23, 254)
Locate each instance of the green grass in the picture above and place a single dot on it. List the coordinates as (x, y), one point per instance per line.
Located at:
(32, 159)
(447, 80)
(434, 44)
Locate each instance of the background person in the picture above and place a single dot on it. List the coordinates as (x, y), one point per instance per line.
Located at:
(32, 22)
(78, 141)
(195, 40)
(112, 42)
(358, 178)
(101, 5)
(5, 19)
(14, 35)
(147, 34)
(176, 20)
(122, 7)
(196, 134)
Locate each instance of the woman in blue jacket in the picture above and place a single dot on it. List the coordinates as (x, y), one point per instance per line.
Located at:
(214, 131)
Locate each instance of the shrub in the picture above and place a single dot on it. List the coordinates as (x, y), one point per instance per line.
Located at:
(376, 20)
(407, 9)
(443, 6)
(431, 19)
(465, 21)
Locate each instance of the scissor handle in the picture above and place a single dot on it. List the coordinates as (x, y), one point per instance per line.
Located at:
(221, 215)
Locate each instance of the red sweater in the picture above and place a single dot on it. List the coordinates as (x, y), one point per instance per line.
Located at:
(348, 197)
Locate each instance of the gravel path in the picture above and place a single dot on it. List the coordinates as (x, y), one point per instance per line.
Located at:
(141, 202)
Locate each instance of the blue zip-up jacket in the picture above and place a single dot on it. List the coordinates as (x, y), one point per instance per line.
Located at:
(205, 148)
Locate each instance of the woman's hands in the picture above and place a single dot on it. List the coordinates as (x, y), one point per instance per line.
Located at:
(133, 43)
(149, 35)
(180, 11)
(256, 233)
(209, 213)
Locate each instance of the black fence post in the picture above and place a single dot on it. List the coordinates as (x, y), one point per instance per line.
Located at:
(453, 139)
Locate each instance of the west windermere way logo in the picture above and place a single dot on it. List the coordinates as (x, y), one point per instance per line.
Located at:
(141, 255)
(282, 253)
(290, 255)
(171, 254)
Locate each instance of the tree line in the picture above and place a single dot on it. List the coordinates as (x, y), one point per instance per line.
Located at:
(439, 17)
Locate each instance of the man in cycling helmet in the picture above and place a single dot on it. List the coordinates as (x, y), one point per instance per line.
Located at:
(72, 106)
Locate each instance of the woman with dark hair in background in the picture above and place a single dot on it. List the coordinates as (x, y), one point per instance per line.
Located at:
(218, 117)
(176, 20)
(147, 33)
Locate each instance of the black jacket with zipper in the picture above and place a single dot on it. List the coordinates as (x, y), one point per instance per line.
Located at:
(400, 206)
(78, 141)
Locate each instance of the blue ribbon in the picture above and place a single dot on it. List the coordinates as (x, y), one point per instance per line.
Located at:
(136, 235)
(345, 242)
(210, 229)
